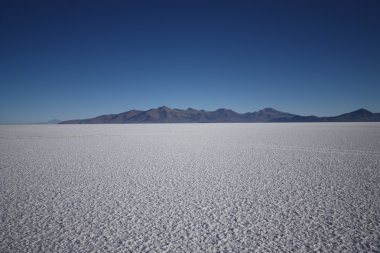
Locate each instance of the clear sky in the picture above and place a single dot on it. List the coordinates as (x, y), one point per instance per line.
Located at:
(76, 59)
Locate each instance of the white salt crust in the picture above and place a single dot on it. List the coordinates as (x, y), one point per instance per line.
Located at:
(190, 188)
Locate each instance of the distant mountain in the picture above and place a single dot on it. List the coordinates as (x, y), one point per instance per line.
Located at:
(361, 115)
(358, 115)
(267, 115)
(165, 114)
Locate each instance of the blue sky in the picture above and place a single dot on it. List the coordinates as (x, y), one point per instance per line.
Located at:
(78, 59)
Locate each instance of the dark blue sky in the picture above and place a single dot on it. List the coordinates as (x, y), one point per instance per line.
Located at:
(76, 59)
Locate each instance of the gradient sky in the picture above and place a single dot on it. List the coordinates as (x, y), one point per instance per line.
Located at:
(77, 59)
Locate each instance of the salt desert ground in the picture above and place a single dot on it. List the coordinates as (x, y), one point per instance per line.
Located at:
(190, 188)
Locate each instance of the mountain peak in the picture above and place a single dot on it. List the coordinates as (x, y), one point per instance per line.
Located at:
(163, 108)
(268, 109)
(222, 110)
(362, 111)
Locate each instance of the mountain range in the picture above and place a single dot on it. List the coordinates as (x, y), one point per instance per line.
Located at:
(165, 114)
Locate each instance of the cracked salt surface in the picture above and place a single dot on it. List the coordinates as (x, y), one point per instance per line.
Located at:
(190, 188)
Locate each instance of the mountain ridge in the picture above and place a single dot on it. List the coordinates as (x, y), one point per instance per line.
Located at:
(164, 114)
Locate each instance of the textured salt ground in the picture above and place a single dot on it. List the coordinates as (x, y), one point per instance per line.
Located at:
(190, 188)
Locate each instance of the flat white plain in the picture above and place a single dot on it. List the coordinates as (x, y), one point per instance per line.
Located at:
(190, 188)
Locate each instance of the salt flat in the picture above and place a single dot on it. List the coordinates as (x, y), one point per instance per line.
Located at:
(190, 188)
